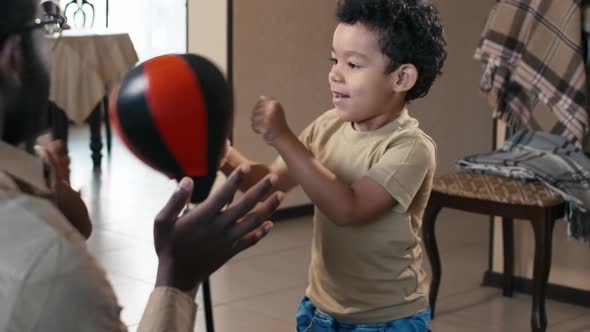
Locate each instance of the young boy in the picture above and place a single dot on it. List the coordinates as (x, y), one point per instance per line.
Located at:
(366, 166)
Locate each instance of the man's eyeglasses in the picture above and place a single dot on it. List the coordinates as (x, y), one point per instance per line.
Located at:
(51, 23)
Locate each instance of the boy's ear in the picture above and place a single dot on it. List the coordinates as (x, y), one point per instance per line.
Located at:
(404, 78)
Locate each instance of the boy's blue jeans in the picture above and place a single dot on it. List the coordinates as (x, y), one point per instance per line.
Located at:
(310, 319)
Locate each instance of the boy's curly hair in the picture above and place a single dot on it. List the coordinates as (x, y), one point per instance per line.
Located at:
(410, 33)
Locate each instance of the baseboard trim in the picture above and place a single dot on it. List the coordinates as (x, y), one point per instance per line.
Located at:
(555, 292)
(292, 212)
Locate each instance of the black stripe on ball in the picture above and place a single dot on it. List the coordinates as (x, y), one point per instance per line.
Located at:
(137, 123)
(219, 103)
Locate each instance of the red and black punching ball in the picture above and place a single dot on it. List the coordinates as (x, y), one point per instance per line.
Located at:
(173, 112)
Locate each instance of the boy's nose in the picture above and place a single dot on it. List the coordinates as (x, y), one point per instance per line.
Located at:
(335, 76)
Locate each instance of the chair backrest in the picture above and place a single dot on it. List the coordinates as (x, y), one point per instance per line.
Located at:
(80, 13)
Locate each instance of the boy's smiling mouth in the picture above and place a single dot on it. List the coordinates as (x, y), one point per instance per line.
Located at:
(339, 96)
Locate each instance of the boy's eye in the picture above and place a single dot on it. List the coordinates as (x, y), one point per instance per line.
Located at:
(333, 61)
(353, 65)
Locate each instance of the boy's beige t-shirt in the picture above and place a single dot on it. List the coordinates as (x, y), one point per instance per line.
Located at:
(372, 272)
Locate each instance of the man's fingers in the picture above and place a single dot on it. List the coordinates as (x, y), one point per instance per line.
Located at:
(54, 154)
(73, 207)
(44, 140)
(59, 147)
(231, 200)
(256, 218)
(248, 201)
(252, 238)
(169, 213)
(49, 159)
(220, 198)
(41, 153)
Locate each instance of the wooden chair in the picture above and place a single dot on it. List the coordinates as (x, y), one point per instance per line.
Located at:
(509, 199)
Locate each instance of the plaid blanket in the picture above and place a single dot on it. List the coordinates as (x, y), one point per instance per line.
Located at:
(551, 159)
(532, 51)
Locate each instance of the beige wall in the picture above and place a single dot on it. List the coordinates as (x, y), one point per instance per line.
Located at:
(454, 113)
(281, 49)
(207, 30)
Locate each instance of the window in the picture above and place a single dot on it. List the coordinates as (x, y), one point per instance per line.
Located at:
(156, 26)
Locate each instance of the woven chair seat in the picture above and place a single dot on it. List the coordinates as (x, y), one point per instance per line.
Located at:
(496, 189)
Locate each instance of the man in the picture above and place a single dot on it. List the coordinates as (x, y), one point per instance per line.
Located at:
(48, 280)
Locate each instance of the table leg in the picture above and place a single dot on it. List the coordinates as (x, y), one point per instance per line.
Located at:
(94, 120)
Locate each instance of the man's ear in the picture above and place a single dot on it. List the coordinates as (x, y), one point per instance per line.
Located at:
(11, 59)
(404, 78)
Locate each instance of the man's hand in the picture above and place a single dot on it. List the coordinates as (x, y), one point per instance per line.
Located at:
(54, 154)
(268, 119)
(68, 201)
(193, 246)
